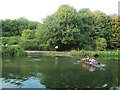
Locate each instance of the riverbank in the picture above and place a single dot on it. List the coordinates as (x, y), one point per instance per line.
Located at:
(48, 53)
(95, 53)
(73, 53)
(16, 50)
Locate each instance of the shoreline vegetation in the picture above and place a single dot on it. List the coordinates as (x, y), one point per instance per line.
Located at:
(78, 32)
(16, 50)
(95, 53)
(75, 53)
(13, 50)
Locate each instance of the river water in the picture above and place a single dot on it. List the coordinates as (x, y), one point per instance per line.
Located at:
(58, 72)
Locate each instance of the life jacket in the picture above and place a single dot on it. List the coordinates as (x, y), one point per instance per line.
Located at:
(86, 60)
(93, 62)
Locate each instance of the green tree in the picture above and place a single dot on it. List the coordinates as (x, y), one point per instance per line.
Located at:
(100, 44)
(29, 34)
(100, 25)
(61, 29)
(86, 25)
(28, 44)
(15, 27)
(114, 36)
(9, 28)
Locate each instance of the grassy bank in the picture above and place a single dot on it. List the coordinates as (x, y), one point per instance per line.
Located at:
(47, 53)
(75, 53)
(94, 53)
(16, 50)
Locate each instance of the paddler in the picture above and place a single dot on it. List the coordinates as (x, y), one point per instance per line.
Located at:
(92, 61)
(86, 59)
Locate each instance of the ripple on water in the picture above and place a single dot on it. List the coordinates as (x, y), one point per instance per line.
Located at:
(34, 60)
(105, 85)
(7, 60)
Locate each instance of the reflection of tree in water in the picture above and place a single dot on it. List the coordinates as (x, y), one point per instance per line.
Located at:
(75, 78)
(15, 79)
(17, 75)
(71, 79)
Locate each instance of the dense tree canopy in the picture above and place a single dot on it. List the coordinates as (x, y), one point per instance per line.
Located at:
(61, 29)
(27, 33)
(15, 27)
(69, 29)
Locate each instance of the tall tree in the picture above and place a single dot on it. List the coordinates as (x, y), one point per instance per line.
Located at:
(61, 29)
(114, 37)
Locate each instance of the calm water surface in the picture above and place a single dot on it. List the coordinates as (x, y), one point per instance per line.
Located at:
(58, 72)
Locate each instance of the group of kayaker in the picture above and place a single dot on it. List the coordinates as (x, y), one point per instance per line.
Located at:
(90, 60)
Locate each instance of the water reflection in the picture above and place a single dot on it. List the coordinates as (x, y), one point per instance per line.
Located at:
(85, 66)
(90, 68)
(7, 60)
(31, 82)
(34, 60)
(60, 72)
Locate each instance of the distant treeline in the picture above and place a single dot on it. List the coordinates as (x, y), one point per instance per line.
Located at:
(67, 29)
(15, 27)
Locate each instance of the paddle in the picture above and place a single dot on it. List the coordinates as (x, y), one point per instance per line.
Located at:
(87, 56)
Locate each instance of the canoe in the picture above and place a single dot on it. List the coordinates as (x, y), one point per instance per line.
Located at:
(96, 66)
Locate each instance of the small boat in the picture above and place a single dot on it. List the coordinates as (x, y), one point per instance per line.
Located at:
(97, 66)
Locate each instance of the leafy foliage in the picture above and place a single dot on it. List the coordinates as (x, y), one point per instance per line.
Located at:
(114, 34)
(67, 29)
(61, 29)
(13, 51)
(28, 44)
(78, 53)
(29, 34)
(10, 40)
(100, 44)
(15, 27)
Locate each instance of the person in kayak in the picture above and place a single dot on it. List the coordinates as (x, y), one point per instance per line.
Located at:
(86, 59)
(92, 61)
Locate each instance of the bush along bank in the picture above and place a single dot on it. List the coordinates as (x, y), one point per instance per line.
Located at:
(11, 50)
(94, 53)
